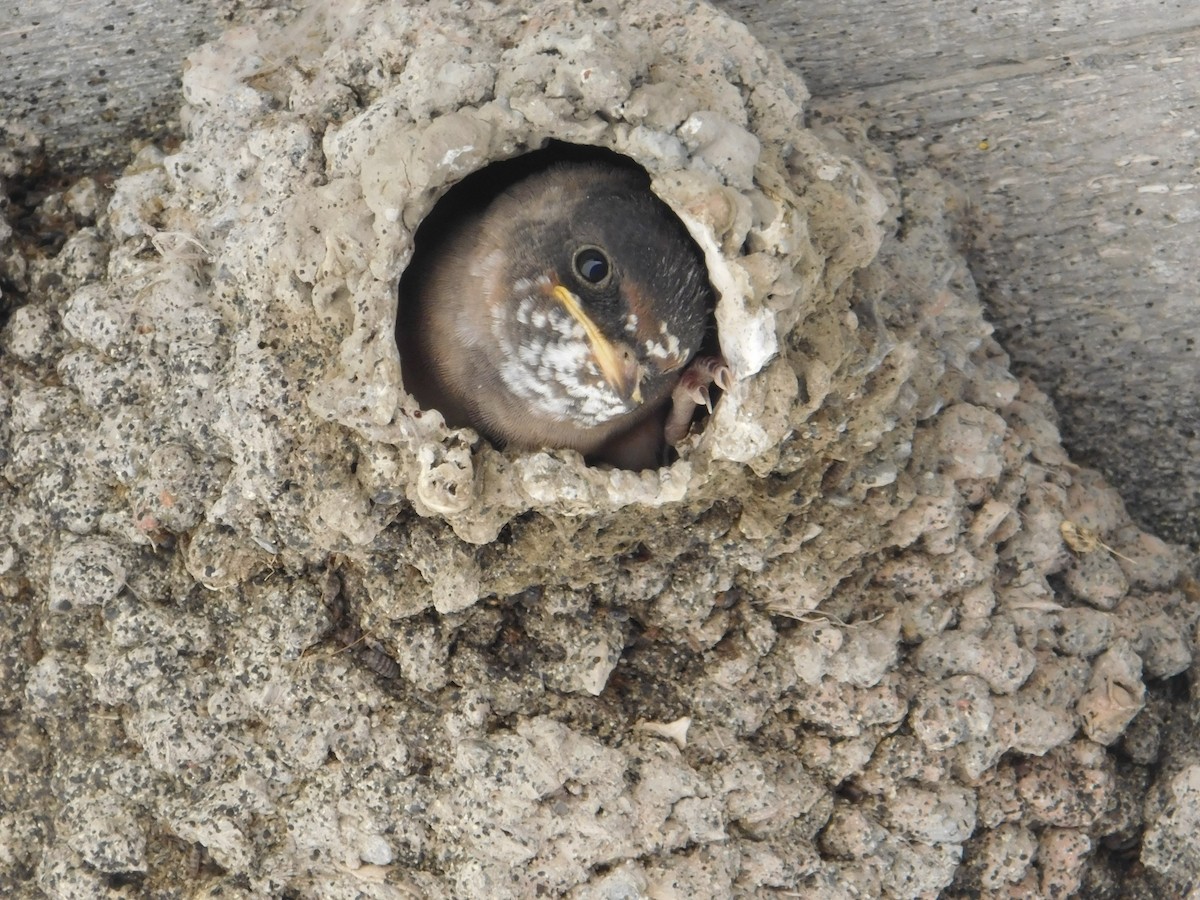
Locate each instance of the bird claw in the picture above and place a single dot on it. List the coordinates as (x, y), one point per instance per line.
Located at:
(699, 396)
(692, 391)
(710, 370)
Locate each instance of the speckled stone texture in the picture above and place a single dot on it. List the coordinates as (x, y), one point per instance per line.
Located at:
(270, 630)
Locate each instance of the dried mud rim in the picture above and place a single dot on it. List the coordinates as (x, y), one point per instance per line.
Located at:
(781, 218)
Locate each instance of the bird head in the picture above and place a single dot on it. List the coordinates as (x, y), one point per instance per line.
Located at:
(601, 295)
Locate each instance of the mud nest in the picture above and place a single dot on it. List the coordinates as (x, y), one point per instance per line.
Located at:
(271, 629)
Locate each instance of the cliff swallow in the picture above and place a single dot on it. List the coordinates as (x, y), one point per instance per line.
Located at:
(567, 313)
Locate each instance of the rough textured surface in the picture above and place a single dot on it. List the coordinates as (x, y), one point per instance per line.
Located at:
(270, 630)
(1069, 125)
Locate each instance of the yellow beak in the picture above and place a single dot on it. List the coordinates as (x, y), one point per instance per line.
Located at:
(618, 365)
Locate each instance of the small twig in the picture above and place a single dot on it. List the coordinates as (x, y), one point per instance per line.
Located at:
(1083, 540)
(813, 616)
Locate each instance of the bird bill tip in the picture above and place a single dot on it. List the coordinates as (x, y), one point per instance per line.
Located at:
(618, 364)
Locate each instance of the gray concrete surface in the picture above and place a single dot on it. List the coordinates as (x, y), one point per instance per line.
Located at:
(88, 78)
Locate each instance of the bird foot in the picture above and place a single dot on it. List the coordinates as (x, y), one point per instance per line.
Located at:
(692, 391)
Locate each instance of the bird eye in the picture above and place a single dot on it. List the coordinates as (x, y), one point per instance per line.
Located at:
(592, 265)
